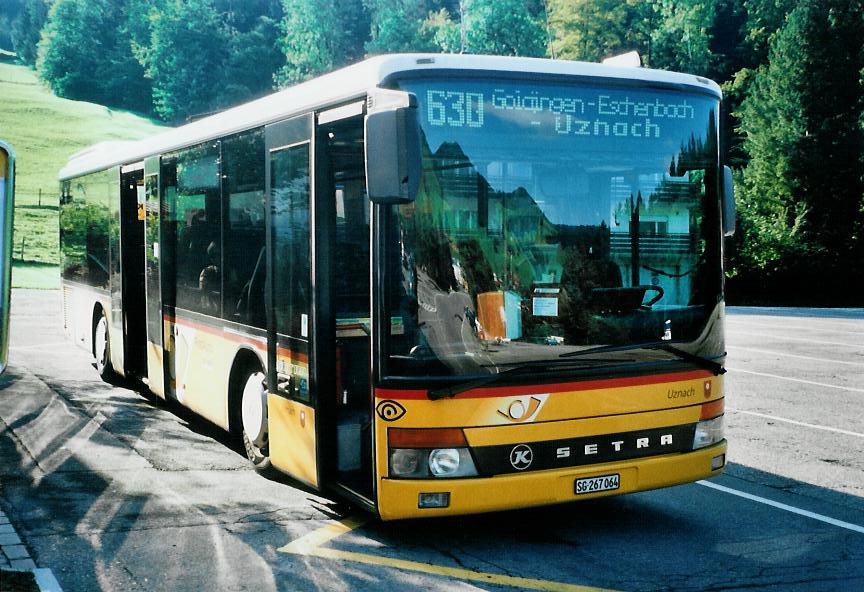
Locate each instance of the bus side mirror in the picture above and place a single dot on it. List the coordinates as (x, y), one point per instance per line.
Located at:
(728, 202)
(393, 157)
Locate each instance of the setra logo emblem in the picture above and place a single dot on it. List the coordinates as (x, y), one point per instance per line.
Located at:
(523, 409)
(390, 410)
(521, 457)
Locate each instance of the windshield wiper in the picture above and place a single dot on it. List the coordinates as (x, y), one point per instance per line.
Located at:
(715, 367)
(529, 367)
(525, 368)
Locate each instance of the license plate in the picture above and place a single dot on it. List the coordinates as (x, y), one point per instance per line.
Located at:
(595, 484)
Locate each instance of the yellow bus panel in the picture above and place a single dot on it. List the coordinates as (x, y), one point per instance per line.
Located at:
(292, 438)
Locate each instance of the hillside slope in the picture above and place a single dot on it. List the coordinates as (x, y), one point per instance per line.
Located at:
(45, 130)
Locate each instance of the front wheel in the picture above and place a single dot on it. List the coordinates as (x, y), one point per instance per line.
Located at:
(253, 415)
(102, 349)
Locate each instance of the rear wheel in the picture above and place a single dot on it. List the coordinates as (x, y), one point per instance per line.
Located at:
(102, 349)
(253, 415)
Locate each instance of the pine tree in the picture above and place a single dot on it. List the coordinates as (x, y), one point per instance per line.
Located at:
(803, 192)
(10, 13)
(27, 29)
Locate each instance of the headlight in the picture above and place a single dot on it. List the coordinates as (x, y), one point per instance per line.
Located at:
(444, 462)
(406, 462)
(708, 432)
(423, 463)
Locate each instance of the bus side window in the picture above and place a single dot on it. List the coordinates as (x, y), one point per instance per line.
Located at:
(243, 232)
(350, 272)
(193, 239)
(292, 265)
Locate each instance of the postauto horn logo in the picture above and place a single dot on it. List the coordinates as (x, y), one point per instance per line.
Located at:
(523, 409)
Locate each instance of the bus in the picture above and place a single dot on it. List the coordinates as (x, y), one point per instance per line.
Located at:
(7, 208)
(425, 284)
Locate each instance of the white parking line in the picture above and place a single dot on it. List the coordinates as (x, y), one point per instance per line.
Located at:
(834, 386)
(38, 345)
(788, 508)
(800, 423)
(777, 353)
(820, 328)
(804, 339)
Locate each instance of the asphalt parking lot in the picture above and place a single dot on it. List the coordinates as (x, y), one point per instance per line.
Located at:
(111, 490)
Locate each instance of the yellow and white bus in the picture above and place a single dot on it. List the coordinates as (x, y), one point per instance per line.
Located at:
(428, 284)
(7, 209)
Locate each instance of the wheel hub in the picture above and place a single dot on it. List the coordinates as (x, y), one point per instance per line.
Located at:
(100, 348)
(254, 410)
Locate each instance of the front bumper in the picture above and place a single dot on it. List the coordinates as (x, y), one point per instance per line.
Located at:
(398, 498)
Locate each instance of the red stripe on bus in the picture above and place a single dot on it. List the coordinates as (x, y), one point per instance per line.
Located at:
(259, 343)
(531, 389)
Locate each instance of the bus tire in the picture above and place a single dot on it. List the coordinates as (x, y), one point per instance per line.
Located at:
(253, 419)
(102, 348)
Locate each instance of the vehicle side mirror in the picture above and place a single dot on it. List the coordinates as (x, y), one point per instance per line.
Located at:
(728, 203)
(393, 157)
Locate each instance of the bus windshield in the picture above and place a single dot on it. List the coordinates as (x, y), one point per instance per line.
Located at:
(553, 218)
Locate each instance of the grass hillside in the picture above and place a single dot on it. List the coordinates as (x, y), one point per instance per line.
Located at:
(45, 130)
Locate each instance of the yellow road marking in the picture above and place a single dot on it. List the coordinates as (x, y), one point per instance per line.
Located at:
(455, 572)
(309, 542)
(310, 545)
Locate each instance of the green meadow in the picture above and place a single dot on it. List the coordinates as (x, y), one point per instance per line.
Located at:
(45, 130)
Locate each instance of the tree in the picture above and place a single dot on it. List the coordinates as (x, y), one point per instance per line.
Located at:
(121, 76)
(10, 13)
(591, 30)
(764, 18)
(503, 27)
(319, 36)
(187, 50)
(400, 25)
(85, 53)
(695, 36)
(72, 46)
(802, 204)
(27, 29)
(495, 27)
(829, 163)
(254, 52)
(680, 38)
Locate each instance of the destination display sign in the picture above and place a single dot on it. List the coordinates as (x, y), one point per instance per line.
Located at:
(557, 110)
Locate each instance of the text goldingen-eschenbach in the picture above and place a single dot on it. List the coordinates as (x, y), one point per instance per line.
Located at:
(601, 115)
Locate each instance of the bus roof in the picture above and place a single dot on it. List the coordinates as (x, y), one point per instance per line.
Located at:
(342, 85)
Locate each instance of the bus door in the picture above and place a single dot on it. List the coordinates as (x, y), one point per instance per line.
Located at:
(292, 400)
(152, 277)
(132, 289)
(344, 209)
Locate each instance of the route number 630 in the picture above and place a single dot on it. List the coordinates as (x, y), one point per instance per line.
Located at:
(455, 109)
